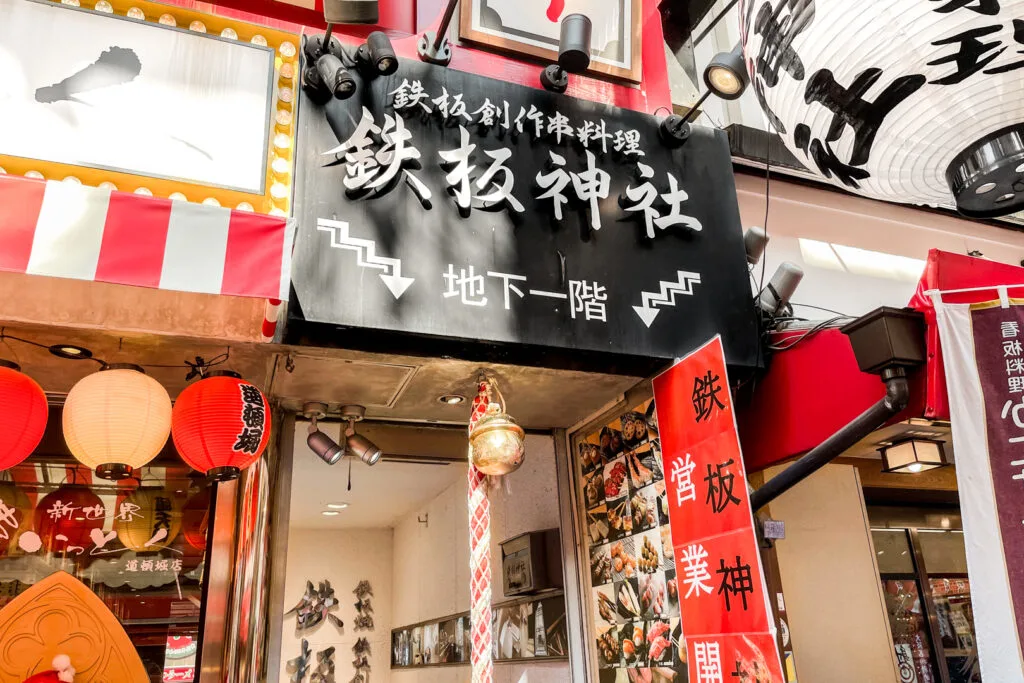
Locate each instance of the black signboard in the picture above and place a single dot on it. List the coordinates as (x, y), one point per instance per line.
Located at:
(443, 205)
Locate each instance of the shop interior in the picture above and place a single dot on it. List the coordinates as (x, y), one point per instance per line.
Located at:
(400, 526)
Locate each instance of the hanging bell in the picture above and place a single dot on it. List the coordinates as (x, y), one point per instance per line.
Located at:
(497, 444)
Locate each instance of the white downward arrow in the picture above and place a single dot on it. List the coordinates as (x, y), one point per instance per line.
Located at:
(366, 251)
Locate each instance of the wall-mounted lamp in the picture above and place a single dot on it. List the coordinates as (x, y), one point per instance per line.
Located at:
(913, 456)
(573, 53)
(359, 445)
(725, 77)
(775, 297)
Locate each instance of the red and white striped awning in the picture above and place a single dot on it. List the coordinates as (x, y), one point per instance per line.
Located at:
(86, 233)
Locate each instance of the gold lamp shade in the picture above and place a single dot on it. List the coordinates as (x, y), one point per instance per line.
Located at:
(142, 515)
(497, 444)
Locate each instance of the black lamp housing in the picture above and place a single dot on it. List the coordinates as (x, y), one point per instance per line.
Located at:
(573, 52)
(351, 12)
(887, 339)
(377, 56)
(325, 70)
(913, 456)
(729, 64)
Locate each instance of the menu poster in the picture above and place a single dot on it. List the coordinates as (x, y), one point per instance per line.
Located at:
(632, 568)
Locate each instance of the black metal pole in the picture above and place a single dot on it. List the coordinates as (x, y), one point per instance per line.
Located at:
(714, 22)
(897, 395)
(442, 30)
(695, 109)
(327, 36)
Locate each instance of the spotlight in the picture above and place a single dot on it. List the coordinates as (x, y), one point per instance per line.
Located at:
(754, 241)
(573, 53)
(335, 77)
(377, 55)
(726, 74)
(326, 448)
(451, 399)
(351, 11)
(774, 299)
(360, 446)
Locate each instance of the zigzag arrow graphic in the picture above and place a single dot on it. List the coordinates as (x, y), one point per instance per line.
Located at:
(666, 297)
(366, 251)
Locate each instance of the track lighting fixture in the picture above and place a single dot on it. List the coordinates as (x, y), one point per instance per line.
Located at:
(326, 448)
(359, 445)
(573, 53)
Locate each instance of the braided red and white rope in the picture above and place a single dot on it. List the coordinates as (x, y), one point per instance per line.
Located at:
(480, 557)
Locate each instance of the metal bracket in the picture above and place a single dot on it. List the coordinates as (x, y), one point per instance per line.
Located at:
(432, 52)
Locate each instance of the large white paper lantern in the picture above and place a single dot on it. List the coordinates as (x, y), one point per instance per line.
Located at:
(913, 101)
(117, 420)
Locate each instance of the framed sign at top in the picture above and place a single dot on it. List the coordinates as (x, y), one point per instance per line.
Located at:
(132, 96)
(532, 27)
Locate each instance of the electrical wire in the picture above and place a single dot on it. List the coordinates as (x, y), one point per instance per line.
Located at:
(788, 344)
(822, 308)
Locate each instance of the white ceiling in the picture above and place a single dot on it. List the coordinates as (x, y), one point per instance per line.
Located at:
(381, 495)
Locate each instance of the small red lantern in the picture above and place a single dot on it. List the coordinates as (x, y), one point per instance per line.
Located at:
(221, 425)
(71, 513)
(195, 519)
(23, 412)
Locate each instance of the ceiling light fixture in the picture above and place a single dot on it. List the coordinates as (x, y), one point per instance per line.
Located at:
(358, 445)
(70, 351)
(913, 456)
(330, 513)
(337, 506)
(326, 448)
(573, 53)
(452, 399)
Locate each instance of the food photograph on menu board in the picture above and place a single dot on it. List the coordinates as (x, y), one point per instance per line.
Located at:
(633, 583)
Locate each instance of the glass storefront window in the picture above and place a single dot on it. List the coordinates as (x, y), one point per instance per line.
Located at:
(138, 545)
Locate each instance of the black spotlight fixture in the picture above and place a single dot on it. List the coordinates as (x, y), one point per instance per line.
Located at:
(326, 69)
(725, 77)
(351, 11)
(326, 448)
(358, 445)
(573, 53)
(377, 56)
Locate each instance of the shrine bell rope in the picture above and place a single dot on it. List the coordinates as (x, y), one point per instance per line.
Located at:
(480, 555)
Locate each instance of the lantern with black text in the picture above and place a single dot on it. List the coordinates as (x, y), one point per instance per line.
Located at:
(905, 101)
(221, 425)
(23, 413)
(66, 518)
(148, 520)
(117, 420)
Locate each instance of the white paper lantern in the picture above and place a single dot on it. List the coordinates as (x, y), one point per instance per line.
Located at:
(912, 101)
(116, 420)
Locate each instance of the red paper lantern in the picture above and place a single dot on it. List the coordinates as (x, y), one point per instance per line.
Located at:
(71, 512)
(196, 519)
(221, 425)
(23, 413)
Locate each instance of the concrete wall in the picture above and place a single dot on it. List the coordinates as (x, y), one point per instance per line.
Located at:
(344, 558)
(431, 561)
(834, 598)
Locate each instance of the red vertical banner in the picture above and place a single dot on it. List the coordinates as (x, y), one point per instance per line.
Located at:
(725, 617)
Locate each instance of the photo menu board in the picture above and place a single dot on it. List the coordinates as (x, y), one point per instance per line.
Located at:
(633, 584)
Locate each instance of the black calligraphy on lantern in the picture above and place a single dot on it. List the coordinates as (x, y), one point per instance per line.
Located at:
(987, 7)
(737, 581)
(705, 395)
(850, 109)
(721, 483)
(778, 27)
(254, 418)
(974, 55)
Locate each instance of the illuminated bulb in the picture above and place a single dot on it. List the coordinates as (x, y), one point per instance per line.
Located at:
(167, 20)
(725, 81)
(282, 143)
(107, 185)
(178, 197)
(285, 95)
(280, 167)
(72, 180)
(104, 6)
(284, 119)
(34, 174)
(287, 72)
(210, 201)
(229, 33)
(3, 171)
(73, 3)
(259, 40)
(330, 513)
(287, 50)
(197, 26)
(135, 13)
(279, 193)
(279, 212)
(337, 506)
(245, 206)
(915, 467)
(144, 191)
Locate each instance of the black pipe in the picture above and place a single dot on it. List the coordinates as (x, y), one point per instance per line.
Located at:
(714, 22)
(442, 30)
(897, 395)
